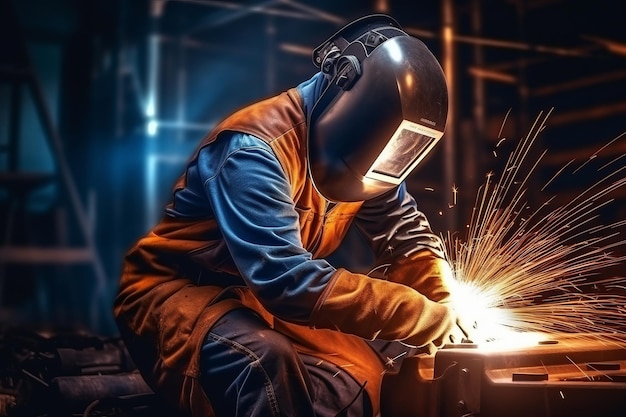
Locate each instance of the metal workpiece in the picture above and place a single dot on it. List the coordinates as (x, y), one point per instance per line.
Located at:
(568, 375)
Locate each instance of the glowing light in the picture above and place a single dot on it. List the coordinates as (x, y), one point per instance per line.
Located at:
(150, 108)
(523, 274)
(479, 308)
(152, 127)
(490, 325)
(409, 81)
(152, 90)
(391, 362)
(395, 53)
(409, 144)
(455, 192)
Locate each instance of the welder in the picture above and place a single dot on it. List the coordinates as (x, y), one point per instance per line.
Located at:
(228, 305)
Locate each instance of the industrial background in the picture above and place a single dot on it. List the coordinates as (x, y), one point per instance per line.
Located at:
(102, 101)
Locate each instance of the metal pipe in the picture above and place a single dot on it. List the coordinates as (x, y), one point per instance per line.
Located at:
(472, 161)
(310, 12)
(238, 11)
(499, 43)
(225, 18)
(270, 55)
(450, 142)
(322, 15)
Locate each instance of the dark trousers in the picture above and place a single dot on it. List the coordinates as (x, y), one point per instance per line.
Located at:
(251, 370)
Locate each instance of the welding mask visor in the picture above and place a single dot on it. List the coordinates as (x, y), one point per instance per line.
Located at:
(383, 111)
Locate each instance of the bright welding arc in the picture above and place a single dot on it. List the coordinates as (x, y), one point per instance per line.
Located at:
(534, 271)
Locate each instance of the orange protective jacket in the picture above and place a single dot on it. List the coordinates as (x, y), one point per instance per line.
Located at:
(164, 314)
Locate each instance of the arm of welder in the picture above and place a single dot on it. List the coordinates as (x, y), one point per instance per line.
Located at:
(378, 309)
(402, 239)
(251, 198)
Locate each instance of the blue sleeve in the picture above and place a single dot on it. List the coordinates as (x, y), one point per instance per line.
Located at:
(251, 200)
(394, 227)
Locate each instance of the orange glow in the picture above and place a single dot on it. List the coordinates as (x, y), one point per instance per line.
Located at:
(490, 326)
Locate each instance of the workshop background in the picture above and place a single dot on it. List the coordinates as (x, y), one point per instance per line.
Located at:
(102, 101)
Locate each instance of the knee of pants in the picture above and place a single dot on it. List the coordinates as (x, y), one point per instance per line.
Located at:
(246, 333)
(270, 346)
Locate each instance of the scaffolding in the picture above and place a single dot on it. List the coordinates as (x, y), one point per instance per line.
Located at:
(25, 246)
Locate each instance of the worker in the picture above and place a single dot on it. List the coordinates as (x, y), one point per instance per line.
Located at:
(228, 305)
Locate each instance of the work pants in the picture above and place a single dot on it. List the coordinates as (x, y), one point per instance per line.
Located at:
(249, 369)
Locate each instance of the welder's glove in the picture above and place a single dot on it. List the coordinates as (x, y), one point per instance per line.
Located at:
(426, 273)
(376, 309)
(432, 276)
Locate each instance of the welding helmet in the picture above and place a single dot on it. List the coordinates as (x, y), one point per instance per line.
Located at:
(383, 110)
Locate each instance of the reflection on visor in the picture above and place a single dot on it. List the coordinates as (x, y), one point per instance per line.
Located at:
(407, 147)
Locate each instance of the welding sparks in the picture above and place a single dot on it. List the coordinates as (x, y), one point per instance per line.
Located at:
(455, 192)
(525, 271)
(391, 362)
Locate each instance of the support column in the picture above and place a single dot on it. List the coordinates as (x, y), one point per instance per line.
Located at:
(450, 137)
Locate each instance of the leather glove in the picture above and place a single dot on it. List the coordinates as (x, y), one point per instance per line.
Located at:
(426, 273)
(432, 276)
(376, 309)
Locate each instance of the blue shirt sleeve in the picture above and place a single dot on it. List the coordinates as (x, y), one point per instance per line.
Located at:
(395, 227)
(251, 200)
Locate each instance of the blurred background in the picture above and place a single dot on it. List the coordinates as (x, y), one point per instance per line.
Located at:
(102, 102)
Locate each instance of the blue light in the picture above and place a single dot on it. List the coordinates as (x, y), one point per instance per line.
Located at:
(150, 108)
(151, 127)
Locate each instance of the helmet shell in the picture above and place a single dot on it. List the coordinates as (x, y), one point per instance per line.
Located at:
(400, 80)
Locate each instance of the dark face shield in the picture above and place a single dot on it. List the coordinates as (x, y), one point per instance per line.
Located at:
(366, 138)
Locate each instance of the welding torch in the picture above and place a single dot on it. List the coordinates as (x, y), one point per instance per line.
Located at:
(461, 332)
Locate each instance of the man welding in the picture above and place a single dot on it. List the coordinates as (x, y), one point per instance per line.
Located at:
(228, 305)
